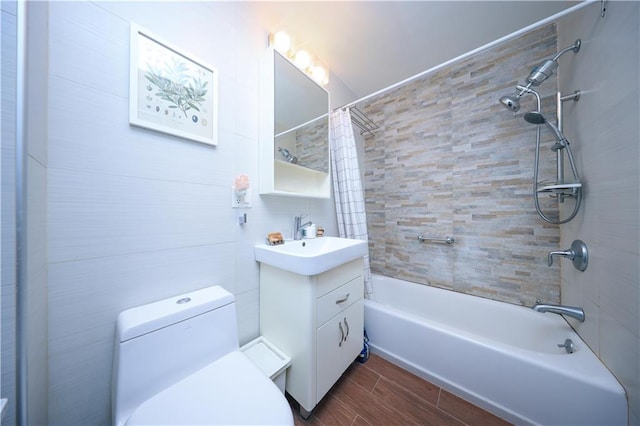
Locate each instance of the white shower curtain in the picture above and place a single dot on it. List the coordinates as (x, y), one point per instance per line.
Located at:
(347, 186)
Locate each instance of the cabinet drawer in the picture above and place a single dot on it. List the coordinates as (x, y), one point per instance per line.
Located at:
(334, 278)
(339, 299)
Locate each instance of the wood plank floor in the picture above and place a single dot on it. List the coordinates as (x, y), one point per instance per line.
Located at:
(381, 393)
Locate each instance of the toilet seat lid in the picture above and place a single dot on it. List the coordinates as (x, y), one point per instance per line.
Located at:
(229, 391)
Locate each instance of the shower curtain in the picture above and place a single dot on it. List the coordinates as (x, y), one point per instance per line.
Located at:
(347, 186)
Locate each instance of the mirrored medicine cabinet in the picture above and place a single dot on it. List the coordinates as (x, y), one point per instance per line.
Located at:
(294, 131)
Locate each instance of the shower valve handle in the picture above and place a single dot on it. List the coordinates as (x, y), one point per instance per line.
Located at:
(578, 254)
(566, 253)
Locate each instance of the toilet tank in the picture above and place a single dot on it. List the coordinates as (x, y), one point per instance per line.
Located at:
(160, 343)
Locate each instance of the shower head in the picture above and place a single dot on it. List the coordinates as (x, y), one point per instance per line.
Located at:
(511, 102)
(536, 117)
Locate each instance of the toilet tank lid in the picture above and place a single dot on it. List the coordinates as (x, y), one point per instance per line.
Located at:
(144, 319)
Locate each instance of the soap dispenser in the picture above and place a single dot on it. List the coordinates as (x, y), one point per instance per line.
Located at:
(310, 231)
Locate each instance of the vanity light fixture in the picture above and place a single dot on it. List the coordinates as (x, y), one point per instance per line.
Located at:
(319, 73)
(302, 59)
(281, 41)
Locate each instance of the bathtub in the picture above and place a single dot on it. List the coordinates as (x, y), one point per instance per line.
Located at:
(501, 357)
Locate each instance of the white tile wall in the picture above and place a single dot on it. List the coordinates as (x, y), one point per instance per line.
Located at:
(34, 283)
(7, 207)
(133, 215)
(34, 268)
(603, 128)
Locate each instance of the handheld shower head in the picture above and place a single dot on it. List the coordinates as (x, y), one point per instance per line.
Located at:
(536, 117)
(511, 102)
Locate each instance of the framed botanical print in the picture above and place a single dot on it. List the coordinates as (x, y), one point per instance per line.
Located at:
(170, 91)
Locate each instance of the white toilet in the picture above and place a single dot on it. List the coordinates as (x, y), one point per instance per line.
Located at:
(177, 361)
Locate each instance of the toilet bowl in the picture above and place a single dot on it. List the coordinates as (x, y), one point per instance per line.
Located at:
(177, 361)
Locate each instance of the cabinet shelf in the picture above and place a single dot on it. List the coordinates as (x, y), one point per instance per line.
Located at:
(293, 180)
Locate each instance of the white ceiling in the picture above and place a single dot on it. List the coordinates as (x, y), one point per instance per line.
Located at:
(370, 45)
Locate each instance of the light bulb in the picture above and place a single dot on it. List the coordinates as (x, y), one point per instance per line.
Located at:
(319, 74)
(282, 42)
(302, 59)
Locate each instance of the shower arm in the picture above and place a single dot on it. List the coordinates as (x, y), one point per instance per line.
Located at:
(575, 47)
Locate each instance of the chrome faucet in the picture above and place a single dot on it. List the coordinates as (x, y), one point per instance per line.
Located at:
(570, 311)
(298, 226)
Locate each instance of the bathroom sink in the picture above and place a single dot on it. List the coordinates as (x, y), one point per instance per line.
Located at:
(311, 256)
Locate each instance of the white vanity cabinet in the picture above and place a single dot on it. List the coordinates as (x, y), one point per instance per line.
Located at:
(316, 320)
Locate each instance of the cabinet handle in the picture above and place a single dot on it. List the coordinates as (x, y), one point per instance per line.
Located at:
(347, 325)
(344, 299)
(341, 334)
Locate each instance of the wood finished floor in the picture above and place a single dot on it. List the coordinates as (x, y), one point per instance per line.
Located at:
(381, 393)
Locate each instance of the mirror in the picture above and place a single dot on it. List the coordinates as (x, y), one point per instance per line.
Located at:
(301, 118)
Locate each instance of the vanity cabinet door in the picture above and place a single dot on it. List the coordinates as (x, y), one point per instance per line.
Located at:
(329, 355)
(353, 320)
(339, 342)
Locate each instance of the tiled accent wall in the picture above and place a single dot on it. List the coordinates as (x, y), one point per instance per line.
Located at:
(34, 281)
(448, 159)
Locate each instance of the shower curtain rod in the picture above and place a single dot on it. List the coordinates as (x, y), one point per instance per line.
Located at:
(489, 45)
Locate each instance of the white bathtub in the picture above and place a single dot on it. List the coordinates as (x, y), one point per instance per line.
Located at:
(501, 357)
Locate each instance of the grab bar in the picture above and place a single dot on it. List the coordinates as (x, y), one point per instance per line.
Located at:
(447, 240)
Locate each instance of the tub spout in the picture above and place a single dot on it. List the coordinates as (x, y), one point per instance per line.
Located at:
(570, 311)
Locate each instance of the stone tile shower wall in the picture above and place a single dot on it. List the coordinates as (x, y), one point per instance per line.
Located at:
(448, 159)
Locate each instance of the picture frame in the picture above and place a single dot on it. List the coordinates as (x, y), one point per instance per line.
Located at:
(170, 91)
